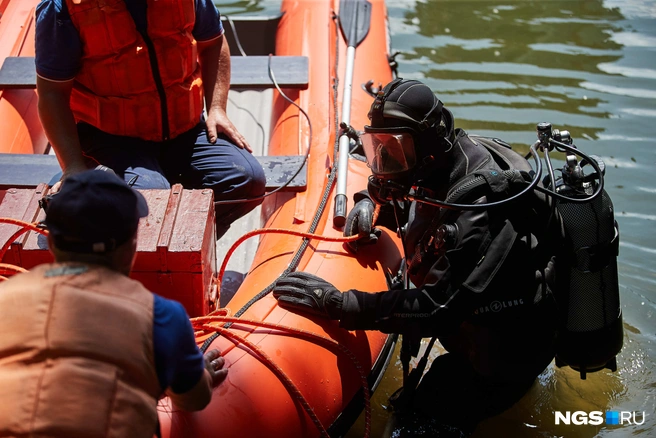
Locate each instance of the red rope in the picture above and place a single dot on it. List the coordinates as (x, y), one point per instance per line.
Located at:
(328, 343)
(6, 268)
(286, 381)
(200, 323)
(19, 222)
(253, 233)
(25, 227)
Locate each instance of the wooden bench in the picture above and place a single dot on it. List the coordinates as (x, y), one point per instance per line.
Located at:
(26, 170)
(19, 72)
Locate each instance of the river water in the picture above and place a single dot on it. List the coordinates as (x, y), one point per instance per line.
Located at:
(585, 66)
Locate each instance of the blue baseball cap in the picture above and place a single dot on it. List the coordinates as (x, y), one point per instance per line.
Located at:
(94, 212)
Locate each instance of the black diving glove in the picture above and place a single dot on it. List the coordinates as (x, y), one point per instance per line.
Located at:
(360, 221)
(307, 293)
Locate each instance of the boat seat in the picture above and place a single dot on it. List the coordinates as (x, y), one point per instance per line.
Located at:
(246, 72)
(27, 170)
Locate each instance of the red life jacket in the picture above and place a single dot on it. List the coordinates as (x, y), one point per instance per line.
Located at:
(116, 89)
(76, 354)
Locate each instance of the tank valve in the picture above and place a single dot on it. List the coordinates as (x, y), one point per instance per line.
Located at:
(545, 134)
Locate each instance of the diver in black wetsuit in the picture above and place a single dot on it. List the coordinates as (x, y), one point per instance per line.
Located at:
(483, 277)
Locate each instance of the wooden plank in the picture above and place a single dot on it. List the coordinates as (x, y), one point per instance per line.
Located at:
(14, 205)
(33, 248)
(176, 250)
(27, 170)
(278, 170)
(245, 72)
(253, 71)
(18, 72)
(150, 228)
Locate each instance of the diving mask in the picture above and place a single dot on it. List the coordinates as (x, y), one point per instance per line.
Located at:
(390, 152)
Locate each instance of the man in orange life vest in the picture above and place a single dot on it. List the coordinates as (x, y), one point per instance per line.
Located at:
(121, 83)
(85, 350)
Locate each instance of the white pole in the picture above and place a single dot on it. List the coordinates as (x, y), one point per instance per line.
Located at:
(339, 217)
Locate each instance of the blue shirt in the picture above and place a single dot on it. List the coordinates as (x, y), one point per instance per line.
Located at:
(178, 360)
(58, 46)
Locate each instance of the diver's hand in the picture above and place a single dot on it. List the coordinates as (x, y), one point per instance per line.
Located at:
(307, 293)
(360, 221)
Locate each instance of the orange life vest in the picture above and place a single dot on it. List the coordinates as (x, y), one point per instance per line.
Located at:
(128, 85)
(76, 354)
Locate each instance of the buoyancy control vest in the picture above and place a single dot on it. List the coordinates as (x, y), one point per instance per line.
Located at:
(491, 170)
(589, 326)
(497, 259)
(143, 83)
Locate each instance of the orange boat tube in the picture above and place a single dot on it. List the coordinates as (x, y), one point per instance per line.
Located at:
(291, 375)
(19, 121)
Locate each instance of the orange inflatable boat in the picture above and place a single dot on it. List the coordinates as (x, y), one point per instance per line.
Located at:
(290, 375)
(327, 366)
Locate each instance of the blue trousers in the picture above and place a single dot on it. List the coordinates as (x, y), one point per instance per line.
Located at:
(189, 159)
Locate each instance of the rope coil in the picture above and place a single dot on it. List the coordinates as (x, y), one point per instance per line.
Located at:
(6, 268)
(203, 324)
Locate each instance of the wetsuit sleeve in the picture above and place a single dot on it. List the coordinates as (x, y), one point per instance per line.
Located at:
(208, 21)
(178, 360)
(58, 49)
(440, 304)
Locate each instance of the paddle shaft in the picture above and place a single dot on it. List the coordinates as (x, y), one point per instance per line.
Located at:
(339, 216)
(354, 19)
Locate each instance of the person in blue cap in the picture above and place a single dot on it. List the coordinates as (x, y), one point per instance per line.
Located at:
(85, 350)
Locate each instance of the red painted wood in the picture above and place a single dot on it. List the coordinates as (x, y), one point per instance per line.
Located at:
(176, 251)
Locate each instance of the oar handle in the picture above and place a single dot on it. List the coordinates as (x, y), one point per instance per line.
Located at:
(339, 216)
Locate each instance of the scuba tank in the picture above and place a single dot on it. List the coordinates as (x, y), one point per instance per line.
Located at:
(590, 333)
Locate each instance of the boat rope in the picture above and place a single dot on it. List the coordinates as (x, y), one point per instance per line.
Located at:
(257, 232)
(305, 156)
(24, 228)
(286, 381)
(31, 225)
(235, 35)
(307, 237)
(203, 324)
(324, 199)
(6, 268)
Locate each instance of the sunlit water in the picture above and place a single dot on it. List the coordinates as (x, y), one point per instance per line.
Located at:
(586, 66)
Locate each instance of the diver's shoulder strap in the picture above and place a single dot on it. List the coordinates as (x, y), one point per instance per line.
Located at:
(509, 176)
(503, 153)
(512, 171)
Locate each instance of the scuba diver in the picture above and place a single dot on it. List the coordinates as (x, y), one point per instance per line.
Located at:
(482, 245)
